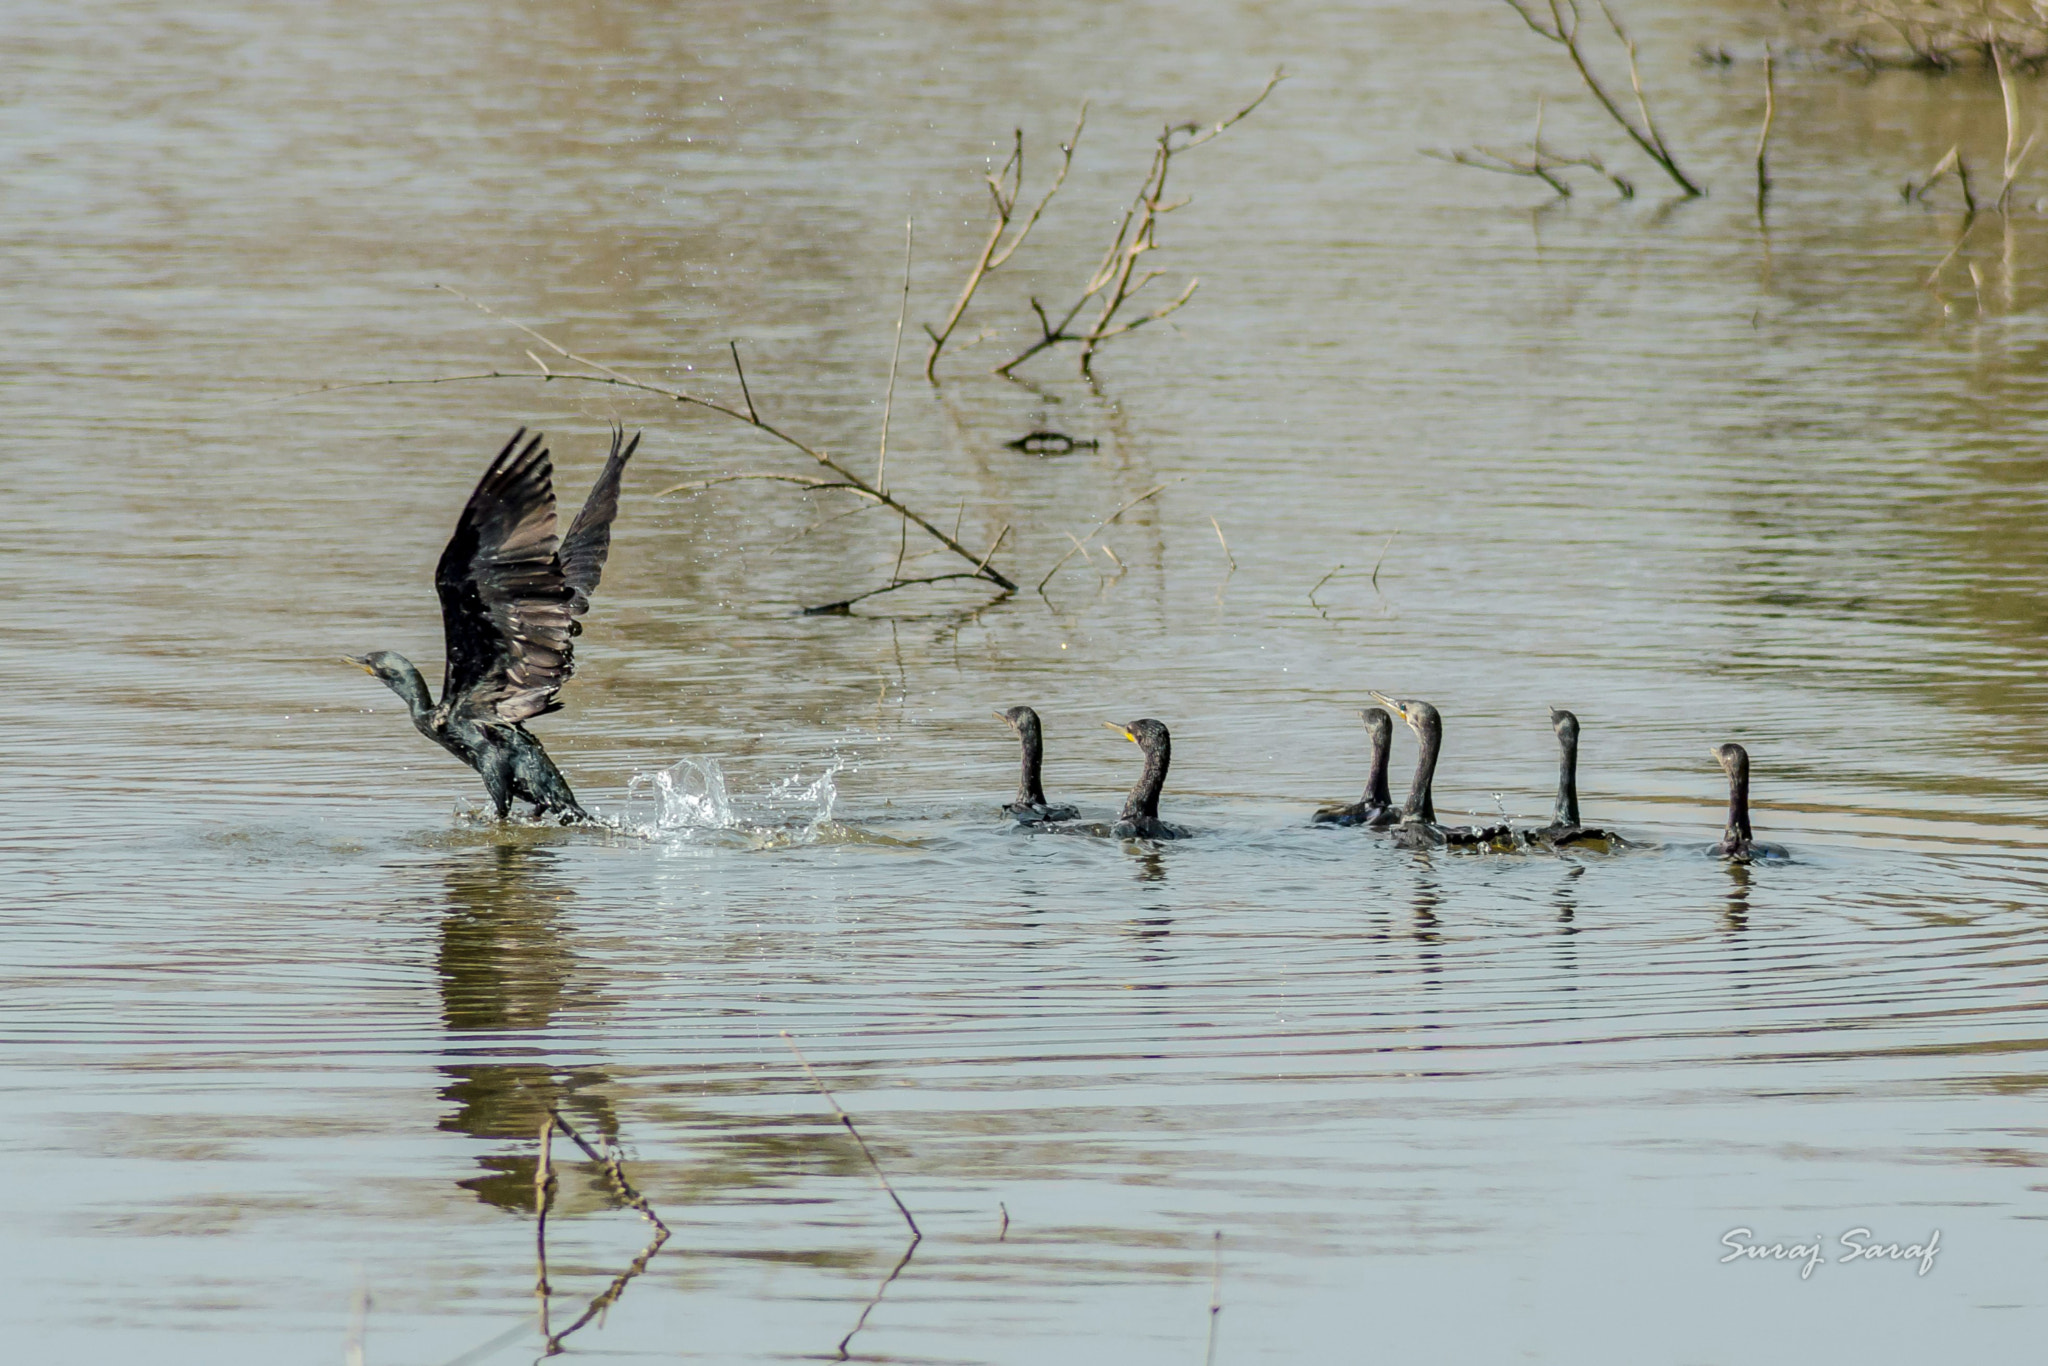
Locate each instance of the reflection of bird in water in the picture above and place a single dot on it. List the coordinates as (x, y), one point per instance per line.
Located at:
(506, 968)
(1418, 828)
(1564, 828)
(1738, 842)
(1140, 816)
(1031, 808)
(510, 595)
(1376, 809)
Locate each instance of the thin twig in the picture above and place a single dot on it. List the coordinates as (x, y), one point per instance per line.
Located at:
(916, 1234)
(895, 354)
(1763, 137)
(1563, 29)
(1117, 280)
(614, 1171)
(2011, 96)
(1319, 583)
(1380, 561)
(543, 1196)
(607, 374)
(1225, 544)
(745, 393)
(1215, 1299)
(1080, 541)
(1004, 192)
(1003, 1232)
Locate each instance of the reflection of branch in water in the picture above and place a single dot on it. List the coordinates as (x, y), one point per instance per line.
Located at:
(916, 1234)
(1215, 1300)
(614, 1171)
(605, 1298)
(847, 1120)
(544, 1190)
(876, 1298)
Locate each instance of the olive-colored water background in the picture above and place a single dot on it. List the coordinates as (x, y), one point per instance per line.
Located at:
(280, 1022)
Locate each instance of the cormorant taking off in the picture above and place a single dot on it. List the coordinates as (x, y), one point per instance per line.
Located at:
(1140, 816)
(1031, 808)
(510, 595)
(1737, 842)
(1564, 827)
(1376, 810)
(1418, 828)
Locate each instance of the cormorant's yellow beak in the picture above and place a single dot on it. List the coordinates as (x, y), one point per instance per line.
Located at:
(1121, 730)
(1002, 718)
(351, 659)
(1387, 701)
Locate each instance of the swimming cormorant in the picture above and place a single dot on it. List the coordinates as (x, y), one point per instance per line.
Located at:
(1564, 828)
(1738, 844)
(1140, 816)
(1376, 810)
(510, 595)
(1031, 808)
(1418, 828)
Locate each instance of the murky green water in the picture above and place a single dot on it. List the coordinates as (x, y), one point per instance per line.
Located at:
(282, 1022)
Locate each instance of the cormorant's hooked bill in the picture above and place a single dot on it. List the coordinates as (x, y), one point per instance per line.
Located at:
(511, 592)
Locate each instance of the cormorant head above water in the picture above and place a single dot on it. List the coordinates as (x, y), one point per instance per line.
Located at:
(1418, 827)
(510, 594)
(1030, 807)
(1738, 841)
(1376, 809)
(1140, 816)
(1566, 726)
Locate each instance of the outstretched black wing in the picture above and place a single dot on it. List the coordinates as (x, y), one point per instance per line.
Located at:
(505, 605)
(590, 535)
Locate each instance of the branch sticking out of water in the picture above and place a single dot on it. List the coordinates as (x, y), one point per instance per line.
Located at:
(1562, 27)
(916, 1234)
(1117, 280)
(1763, 136)
(600, 373)
(1541, 164)
(614, 1172)
(1215, 1299)
(1004, 187)
(1081, 542)
(1954, 164)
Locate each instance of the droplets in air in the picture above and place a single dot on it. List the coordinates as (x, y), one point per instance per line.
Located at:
(689, 801)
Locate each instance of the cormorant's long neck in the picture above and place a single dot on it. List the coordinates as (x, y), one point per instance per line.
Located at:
(1030, 787)
(1567, 812)
(1144, 798)
(412, 690)
(1738, 805)
(1376, 793)
(1421, 803)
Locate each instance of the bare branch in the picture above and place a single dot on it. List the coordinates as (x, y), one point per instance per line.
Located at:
(916, 1233)
(1763, 137)
(1080, 542)
(994, 252)
(895, 354)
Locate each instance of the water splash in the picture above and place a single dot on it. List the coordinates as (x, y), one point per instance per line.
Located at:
(690, 801)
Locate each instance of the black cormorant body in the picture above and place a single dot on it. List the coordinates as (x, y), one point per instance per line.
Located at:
(1375, 810)
(1140, 816)
(510, 595)
(1738, 844)
(1564, 829)
(1030, 807)
(1418, 828)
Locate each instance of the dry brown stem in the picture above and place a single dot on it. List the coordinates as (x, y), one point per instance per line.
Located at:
(1541, 164)
(1562, 28)
(1004, 187)
(614, 1172)
(604, 374)
(1763, 136)
(916, 1234)
(1941, 35)
(1117, 280)
(1081, 542)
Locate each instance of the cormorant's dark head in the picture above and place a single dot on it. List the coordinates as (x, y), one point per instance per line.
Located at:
(1565, 724)
(1147, 734)
(1023, 720)
(388, 666)
(1734, 759)
(1378, 724)
(1420, 716)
